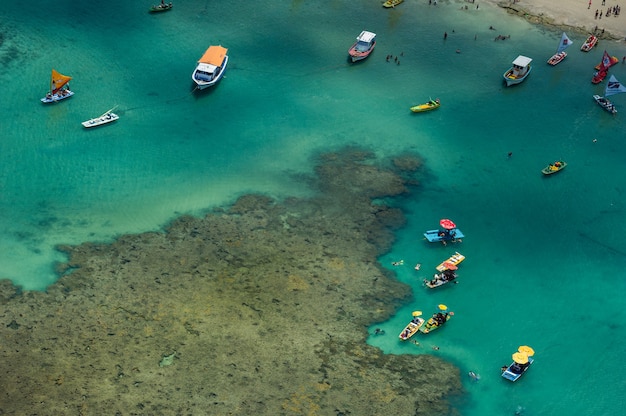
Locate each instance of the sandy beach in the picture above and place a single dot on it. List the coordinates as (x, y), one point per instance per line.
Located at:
(575, 14)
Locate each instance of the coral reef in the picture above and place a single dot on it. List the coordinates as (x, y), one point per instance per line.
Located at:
(260, 308)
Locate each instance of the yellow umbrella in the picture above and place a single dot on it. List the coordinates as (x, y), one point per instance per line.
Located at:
(520, 358)
(525, 349)
(417, 313)
(443, 307)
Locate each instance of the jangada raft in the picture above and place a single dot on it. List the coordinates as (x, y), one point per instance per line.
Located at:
(522, 359)
(560, 53)
(612, 87)
(412, 327)
(447, 232)
(602, 69)
(59, 88)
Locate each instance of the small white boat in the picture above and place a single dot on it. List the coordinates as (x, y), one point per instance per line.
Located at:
(560, 53)
(59, 88)
(211, 67)
(105, 118)
(519, 71)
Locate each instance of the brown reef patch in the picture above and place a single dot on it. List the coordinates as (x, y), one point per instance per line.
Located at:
(258, 309)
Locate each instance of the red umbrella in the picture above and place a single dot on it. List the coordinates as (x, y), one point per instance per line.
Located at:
(447, 224)
(449, 266)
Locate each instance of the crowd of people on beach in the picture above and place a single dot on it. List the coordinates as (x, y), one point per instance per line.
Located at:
(611, 11)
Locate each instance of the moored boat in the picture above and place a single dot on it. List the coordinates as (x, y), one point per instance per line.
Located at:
(392, 3)
(105, 118)
(522, 359)
(437, 321)
(59, 88)
(447, 233)
(599, 76)
(430, 105)
(162, 7)
(560, 53)
(605, 103)
(413, 326)
(211, 67)
(607, 62)
(440, 279)
(613, 87)
(602, 69)
(451, 263)
(589, 43)
(365, 44)
(519, 71)
(555, 167)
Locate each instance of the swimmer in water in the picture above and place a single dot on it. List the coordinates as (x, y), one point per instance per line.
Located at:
(474, 376)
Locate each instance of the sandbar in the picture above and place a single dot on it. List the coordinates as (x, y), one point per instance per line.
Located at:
(570, 15)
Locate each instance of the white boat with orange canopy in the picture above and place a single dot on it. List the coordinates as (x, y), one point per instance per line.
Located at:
(59, 88)
(211, 67)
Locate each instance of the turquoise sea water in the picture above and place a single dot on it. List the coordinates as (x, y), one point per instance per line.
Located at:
(544, 255)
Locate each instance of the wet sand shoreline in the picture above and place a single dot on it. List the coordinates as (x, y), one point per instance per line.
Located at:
(570, 16)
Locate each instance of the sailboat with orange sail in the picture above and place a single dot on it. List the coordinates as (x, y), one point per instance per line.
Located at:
(59, 88)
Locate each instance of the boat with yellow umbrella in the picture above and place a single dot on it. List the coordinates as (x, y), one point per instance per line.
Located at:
(438, 320)
(522, 359)
(413, 326)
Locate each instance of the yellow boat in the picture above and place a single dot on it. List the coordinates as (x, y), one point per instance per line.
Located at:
(392, 3)
(430, 105)
(554, 167)
(454, 260)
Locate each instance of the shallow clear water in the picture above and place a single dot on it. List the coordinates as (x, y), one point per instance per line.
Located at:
(544, 255)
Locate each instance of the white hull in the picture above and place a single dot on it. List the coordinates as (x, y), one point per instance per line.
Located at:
(57, 97)
(99, 121)
(202, 84)
(514, 81)
(606, 104)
